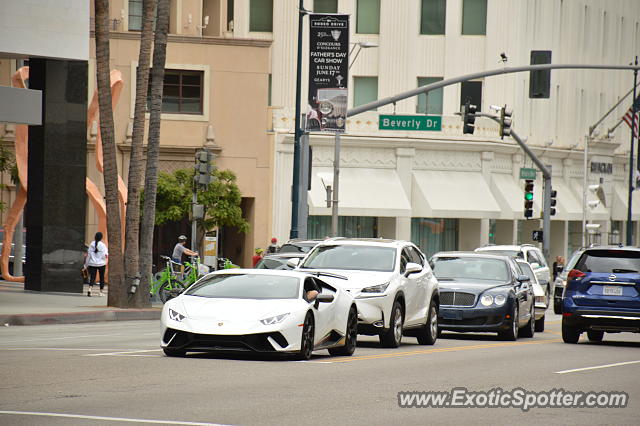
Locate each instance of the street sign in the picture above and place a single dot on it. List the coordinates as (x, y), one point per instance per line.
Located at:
(526, 173)
(410, 122)
(537, 235)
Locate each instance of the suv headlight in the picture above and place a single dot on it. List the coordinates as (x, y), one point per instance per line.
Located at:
(175, 316)
(275, 319)
(380, 288)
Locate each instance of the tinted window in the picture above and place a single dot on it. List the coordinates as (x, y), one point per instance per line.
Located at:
(272, 263)
(415, 256)
(295, 248)
(609, 261)
(405, 258)
(355, 257)
(474, 268)
(248, 286)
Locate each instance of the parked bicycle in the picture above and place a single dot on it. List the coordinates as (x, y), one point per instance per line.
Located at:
(167, 283)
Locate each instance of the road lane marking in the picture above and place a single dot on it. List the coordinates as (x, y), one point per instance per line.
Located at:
(111, 419)
(597, 367)
(437, 350)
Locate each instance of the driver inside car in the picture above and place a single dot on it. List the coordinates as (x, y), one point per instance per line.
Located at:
(311, 290)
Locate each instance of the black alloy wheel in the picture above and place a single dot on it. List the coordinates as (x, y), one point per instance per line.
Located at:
(351, 336)
(306, 343)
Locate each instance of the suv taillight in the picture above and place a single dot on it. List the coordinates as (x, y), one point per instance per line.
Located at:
(575, 274)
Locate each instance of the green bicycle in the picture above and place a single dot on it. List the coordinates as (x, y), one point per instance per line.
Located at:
(167, 283)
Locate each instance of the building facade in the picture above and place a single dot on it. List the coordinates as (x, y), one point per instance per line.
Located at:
(442, 189)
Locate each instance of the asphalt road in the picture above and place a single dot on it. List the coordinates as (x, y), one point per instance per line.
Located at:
(101, 373)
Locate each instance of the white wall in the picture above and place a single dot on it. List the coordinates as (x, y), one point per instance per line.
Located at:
(47, 28)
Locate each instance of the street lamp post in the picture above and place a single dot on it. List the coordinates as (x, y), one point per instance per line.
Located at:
(633, 126)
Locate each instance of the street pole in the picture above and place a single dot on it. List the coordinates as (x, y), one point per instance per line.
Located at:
(584, 193)
(631, 168)
(194, 222)
(295, 187)
(336, 182)
(546, 174)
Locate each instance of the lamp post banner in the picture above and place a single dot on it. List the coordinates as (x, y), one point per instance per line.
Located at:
(328, 72)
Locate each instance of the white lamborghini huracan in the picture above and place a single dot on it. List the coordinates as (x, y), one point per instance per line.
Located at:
(261, 310)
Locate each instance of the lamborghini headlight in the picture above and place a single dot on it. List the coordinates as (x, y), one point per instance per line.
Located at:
(486, 300)
(380, 288)
(274, 320)
(175, 316)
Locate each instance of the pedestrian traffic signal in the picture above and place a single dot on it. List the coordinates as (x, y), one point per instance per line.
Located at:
(469, 118)
(528, 199)
(505, 121)
(553, 201)
(203, 167)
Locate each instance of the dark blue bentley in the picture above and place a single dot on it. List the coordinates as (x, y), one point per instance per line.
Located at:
(483, 292)
(602, 294)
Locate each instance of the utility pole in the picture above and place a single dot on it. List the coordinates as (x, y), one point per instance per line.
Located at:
(631, 168)
(297, 151)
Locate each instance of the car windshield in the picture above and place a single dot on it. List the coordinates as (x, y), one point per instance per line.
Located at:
(296, 248)
(609, 261)
(273, 263)
(470, 268)
(354, 257)
(504, 252)
(246, 286)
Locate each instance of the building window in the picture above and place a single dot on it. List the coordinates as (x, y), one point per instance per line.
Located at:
(474, 17)
(434, 235)
(368, 17)
(269, 90)
(431, 102)
(181, 92)
(365, 90)
(433, 17)
(471, 91)
(135, 15)
(348, 226)
(325, 6)
(230, 7)
(261, 16)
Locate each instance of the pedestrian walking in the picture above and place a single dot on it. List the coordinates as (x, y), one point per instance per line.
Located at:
(96, 262)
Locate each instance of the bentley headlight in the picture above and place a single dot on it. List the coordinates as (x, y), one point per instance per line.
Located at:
(274, 320)
(380, 288)
(175, 316)
(486, 300)
(500, 299)
(325, 107)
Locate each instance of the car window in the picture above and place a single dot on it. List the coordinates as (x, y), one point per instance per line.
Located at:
(416, 256)
(351, 257)
(246, 286)
(272, 263)
(609, 261)
(474, 268)
(405, 257)
(535, 257)
(526, 270)
(292, 248)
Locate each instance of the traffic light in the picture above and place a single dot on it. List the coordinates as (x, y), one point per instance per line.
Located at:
(469, 118)
(528, 199)
(203, 167)
(505, 121)
(553, 202)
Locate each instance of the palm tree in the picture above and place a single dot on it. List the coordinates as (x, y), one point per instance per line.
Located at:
(131, 252)
(153, 145)
(117, 290)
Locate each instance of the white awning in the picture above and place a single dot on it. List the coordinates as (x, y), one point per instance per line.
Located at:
(621, 201)
(362, 192)
(569, 206)
(509, 195)
(449, 194)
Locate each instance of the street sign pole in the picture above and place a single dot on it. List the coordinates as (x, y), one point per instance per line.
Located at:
(336, 181)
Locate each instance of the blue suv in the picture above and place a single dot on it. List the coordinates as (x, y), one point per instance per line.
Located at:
(602, 294)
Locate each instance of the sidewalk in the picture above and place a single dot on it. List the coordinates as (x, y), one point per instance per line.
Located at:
(21, 307)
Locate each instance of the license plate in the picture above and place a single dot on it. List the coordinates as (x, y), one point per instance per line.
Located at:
(612, 290)
(452, 315)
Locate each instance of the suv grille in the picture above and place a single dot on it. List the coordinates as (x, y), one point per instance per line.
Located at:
(455, 298)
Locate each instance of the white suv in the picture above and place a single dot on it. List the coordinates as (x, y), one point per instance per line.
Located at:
(395, 289)
(532, 255)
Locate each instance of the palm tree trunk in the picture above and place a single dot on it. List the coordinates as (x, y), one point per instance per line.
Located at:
(117, 290)
(153, 145)
(131, 252)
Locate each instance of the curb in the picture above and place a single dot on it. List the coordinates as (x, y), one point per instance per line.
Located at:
(81, 317)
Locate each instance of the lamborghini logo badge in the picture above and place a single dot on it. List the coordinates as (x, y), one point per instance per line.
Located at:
(220, 324)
